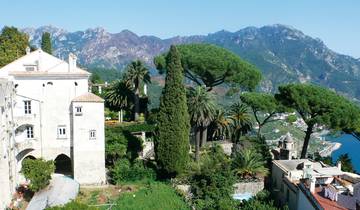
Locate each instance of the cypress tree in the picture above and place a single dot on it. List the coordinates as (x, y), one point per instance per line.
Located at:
(46, 43)
(172, 148)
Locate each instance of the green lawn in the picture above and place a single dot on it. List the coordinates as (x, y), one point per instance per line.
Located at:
(155, 196)
(134, 196)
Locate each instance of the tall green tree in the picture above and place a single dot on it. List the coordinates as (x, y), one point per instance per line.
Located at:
(118, 97)
(220, 125)
(136, 75)
(13, 45)
(209, 65)
(241, 122)
(260, 104)
(46, 42)
(201, 107)
(319, 106)
(172, 146)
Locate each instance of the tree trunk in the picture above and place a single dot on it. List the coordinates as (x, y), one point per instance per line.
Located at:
(136, 102)
(259, 130)
(197, 143)
(121, 117)
(203, 136)
(308, 133)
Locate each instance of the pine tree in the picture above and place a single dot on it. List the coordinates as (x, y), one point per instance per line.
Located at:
(46, 43)
(172, 149)
(12, 45)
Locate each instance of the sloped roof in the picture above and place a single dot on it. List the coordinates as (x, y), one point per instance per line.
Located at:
(88, 97)
(45, 64)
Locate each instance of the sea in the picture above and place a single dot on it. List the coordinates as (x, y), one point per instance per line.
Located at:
(350, 145)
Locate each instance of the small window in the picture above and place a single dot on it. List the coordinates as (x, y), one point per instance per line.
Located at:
(29, 132)
(92, 134)
(27, 107)
(61, 132)
(78, 110)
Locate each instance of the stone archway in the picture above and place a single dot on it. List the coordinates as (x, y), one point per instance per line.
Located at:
(25, 153)
(63, 165)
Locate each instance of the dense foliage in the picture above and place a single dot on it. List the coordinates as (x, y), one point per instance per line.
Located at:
(248, 163)
(119, 96)
(120, 143)
(73, 205)
(12, 45)
(210, 65)
(212, 184)
(38, 171)
(154, 196)
(46, 43)
(125, 171)
(346, 164)
(261, 201)
(172, 144)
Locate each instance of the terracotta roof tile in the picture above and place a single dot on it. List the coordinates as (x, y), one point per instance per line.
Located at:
(88, 97)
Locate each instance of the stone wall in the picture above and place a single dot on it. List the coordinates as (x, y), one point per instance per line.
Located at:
(248, 187)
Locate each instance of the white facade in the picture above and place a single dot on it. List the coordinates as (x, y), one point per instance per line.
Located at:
(44, 124)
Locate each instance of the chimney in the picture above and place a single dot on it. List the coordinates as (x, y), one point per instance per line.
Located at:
(338, 165)
(27, 50)
(312, 184)
(72, 62)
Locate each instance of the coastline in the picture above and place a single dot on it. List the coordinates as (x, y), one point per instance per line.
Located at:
(330, 149)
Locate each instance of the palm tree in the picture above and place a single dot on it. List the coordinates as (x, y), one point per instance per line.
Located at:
(118, 97)
(136, 75)
(248, 163)
(220, 124)
(201, 108)
(241, 121)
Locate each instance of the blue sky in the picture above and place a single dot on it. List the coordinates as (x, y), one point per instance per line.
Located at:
(336, 22)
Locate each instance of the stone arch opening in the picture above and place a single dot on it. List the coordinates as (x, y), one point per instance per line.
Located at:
(23, 154)
(63, 165)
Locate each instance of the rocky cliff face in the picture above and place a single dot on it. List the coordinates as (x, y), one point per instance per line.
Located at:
(284, 54)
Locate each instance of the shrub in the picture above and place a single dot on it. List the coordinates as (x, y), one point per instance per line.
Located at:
(125, 171)
(73, 205)
(212, 185)
(120, 144)
(262, 201)
(291, 118)
(38, 172)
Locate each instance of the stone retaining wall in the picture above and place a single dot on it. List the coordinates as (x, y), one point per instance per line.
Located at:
(248, 187)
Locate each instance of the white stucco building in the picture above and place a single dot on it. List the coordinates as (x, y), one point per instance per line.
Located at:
(47, 112)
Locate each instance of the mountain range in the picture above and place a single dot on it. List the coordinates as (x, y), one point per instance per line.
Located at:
(283, 53)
